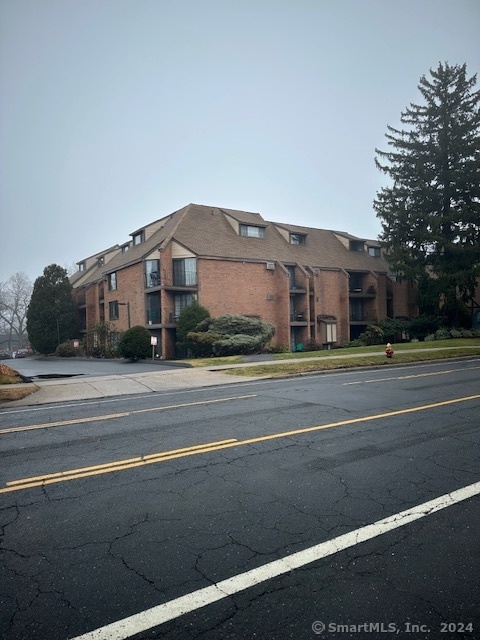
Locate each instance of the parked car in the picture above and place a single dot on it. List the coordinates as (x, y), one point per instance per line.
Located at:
(20, 353)
(4, 355)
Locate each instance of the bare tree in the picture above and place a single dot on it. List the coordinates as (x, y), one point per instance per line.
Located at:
(15, 297)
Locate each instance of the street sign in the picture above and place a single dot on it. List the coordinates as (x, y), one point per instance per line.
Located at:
(153, 341)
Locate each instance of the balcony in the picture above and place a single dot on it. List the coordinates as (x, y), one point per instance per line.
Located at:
(362, 292)
(185, 279)
(299, 317)
(361, 317)
(154, 317)
(152, 279)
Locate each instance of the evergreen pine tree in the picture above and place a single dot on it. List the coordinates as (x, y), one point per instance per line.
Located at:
(51, 312)
(431, 215)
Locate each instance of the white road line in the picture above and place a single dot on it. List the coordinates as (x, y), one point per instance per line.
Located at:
(162, 613)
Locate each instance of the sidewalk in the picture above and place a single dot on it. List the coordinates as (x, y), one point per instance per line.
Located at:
(89, 388)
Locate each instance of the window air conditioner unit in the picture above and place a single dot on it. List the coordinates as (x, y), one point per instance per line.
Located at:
(271, 266)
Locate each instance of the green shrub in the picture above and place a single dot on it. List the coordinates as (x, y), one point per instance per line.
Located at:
(467, 333)
(201, 343)
(373, 334)
(273, 348)
(423, 326)
(312, 345)
(188, 320)
(442, 334)
(67, 350)
(135, 343)
(354, 343)
(455, 333)
(240, 344)
(231, 335)
(393, 329)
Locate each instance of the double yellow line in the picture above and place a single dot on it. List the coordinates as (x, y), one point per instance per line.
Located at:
(121, 465)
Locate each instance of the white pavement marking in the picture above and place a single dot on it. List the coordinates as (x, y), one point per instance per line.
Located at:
(162, 613)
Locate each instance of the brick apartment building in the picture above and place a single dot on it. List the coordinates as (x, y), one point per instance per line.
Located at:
(310, 283)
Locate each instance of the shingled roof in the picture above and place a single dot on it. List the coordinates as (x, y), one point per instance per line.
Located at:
(209, 232)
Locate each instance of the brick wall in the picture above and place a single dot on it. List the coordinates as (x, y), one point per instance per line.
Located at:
(331, 298)
(245, 288)
(130, 288)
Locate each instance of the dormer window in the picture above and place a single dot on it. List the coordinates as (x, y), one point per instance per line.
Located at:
(125, 248)
(138, 238)
(250, 231)
(374, 251)
(101, 261)
(357, 245)
(298, 238)
(81, 266)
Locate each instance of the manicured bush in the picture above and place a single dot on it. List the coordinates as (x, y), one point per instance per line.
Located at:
(273, 348)
(442, 334)
(188, 320)
(232, 334)
(67, 350)
(201, 343)
(373, 334)
(312, 345)
(240, 344)
(455, 333)
(135, 343)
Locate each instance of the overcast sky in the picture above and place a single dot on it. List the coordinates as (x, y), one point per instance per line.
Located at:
(114, 113)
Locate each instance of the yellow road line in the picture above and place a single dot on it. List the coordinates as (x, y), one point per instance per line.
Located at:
(114, 466)
(111, 416)
(28, 483)
(413, 375)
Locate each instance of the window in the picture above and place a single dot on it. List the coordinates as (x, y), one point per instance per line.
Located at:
(250, 231)
(153, 308)
(115, 338)
(291, 274)
(81, 266)
(125, 248)
(356, 282)
(138, 238)
(356, 310)
(112, 281)
(183, 300)
(113, 310)
(298, 238)
(357, 245)
(374, 251)
(101, 261)
(185, 272)
(152, 273)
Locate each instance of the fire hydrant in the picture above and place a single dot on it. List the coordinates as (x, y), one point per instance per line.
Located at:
(388, 350)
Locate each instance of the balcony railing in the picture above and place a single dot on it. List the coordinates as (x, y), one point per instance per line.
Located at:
(152, 279)
(298, 316)
(185, 279)
(154, 317)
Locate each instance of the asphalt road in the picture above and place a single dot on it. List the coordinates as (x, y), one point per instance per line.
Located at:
(51, 366)
(246, 511)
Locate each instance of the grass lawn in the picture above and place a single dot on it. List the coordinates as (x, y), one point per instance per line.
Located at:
(351, 357)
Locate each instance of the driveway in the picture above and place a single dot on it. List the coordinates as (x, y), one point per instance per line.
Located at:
(44, 367)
